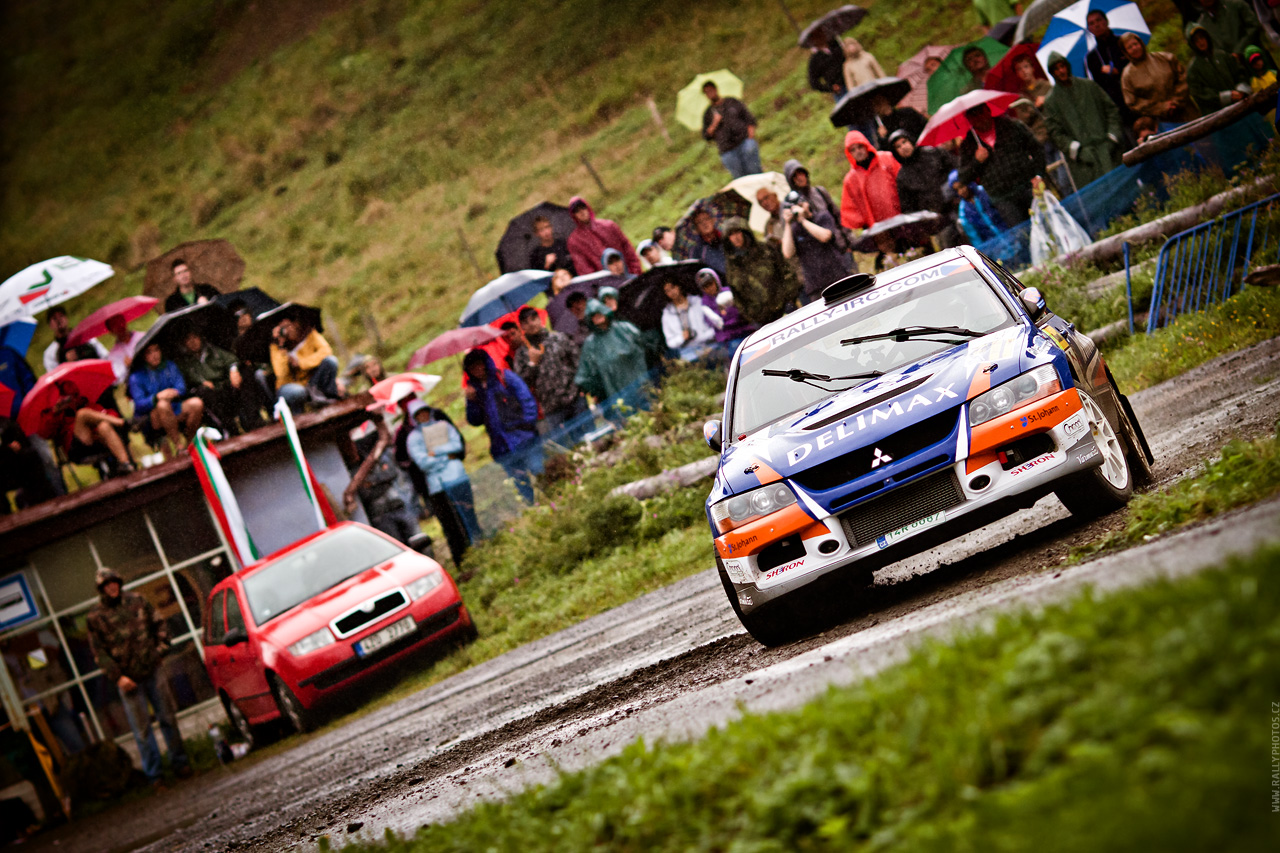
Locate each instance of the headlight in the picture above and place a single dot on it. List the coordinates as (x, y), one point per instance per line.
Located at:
(739, 509)
(1027, 388)
(424, 585)
(311, 642)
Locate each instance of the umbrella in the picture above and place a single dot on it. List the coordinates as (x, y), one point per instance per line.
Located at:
(913, 227)
(915, 73)
(214, 323)
(87, 378)
(506, 293)
(749, 185)
(1003, 30)
(518, 240)
(130, 308)
(855, 106)
(833, 23)
(588, 285)
(253, 299)
(453, 342)
(255, 344)
(952, 78)
(1068, 34)
(17, 335)
(1037, 16)
(950, 122)
(691, 103)
(1003, 78)
(49, 283)
(7, 396)
(641, 300)
(721, 206)
(401, 385)
(214, 262)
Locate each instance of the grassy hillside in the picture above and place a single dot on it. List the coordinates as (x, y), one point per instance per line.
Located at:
(344, 146)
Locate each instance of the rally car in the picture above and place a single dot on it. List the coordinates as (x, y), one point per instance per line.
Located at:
(898, 412)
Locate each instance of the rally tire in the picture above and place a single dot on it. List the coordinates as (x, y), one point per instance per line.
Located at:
(770, 628)
(295, 716)
(1108, 487)
(240, 722)
(1133, 439)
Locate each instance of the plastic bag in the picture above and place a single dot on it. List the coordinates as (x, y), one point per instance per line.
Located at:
(1053, 231)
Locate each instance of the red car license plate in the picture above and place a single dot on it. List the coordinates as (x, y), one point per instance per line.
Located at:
(386, 636)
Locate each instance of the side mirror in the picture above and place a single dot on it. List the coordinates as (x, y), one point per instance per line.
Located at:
(235, 637)
(1033, 301)
(711, 432)
(421, 543)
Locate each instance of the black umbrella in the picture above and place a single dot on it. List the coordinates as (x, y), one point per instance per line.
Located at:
(214, 323)
(833, 23)
(251, 298)
(641, 300)
(913, 227)
(1003, 30)
(518, 240)
(255, 344)
(589, 286)
(855, 107)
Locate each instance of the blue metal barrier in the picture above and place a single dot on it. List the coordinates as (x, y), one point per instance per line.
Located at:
(1204, 265)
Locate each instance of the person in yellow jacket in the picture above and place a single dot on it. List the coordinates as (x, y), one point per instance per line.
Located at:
(304, 366)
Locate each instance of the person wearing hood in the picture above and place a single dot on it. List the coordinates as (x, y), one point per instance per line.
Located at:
(611, 260)
(1002, 155)
(435, 446)
(811, 238)
(922, 181)
(1260, 76)
(977, 217)
(764, 285)
(859, 65)
(1214, 77)
(826, 64)
(591, 236)
(1155, 83)
(652, 255)
(129, 642)
(1233, 26)
(870, 191)
(890, 118)
(731, 329)
(706, 244)
(1083, 123)
(730, 125)
(499, 401)
(799, 179)
(613, 360)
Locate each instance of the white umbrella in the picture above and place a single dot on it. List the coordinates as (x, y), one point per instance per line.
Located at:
(1068, 32)
(48, 283)
(748, 185)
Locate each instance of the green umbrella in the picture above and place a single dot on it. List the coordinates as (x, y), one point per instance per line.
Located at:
(691, 103)
(952, 79)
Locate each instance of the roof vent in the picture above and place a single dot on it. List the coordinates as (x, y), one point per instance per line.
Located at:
(840, 290)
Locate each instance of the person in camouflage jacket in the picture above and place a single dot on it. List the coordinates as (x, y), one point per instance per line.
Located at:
(764, 285)
(130, 642)
(547, 364)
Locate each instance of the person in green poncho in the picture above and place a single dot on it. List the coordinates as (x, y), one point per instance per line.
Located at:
(612, 355)
(1214, 76)
(1083, 123)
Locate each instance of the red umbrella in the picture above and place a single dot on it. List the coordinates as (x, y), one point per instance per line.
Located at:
(6, 397)
(394, 387)
(131, 308)
(453, 342)
(1002, 78)
(41, 411)
(949, 122)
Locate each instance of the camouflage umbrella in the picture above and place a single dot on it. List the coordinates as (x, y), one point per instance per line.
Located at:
(721, 206)
(214, 262)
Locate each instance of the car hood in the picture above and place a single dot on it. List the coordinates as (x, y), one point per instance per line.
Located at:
(861, 417)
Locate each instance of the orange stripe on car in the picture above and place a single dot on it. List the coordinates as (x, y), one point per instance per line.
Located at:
(979, 460)
(1037, 417)
(756, 535)
(766, 474)
(981, 381)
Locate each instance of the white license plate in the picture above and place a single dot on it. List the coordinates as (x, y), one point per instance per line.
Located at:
(387, 635)
(907, 530)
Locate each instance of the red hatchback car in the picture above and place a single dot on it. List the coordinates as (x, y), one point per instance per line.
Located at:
(314, 618)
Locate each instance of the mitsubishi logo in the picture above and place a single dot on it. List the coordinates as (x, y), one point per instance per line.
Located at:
(880, 459)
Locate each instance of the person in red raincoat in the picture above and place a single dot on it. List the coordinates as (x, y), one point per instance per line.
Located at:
(870, 192)
(592, 236)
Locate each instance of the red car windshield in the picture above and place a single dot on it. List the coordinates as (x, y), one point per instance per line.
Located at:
(309, 571)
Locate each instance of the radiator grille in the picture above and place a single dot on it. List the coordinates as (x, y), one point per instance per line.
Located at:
(902, 506)
(348, 623)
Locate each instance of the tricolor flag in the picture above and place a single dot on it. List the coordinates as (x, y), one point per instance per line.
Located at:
(319, 503)
(221, 500)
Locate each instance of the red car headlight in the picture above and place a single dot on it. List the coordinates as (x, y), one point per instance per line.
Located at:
(311, 642)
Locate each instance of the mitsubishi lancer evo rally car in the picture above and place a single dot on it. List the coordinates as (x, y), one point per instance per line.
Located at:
(898, 412)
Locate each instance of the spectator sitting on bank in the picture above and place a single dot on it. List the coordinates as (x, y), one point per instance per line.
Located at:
(547, 362)
(498, 400)
(826, 64)
(22, 469)
(213, 374)
(611, 259)
(1214, 77)
(83, 429)
(732, 329)
(1260, 76)
(591, 236)
(650, 255)
(1155, 83)
(890, 118)
(1002, 155)
(1083, 123)
(550, 254)
(977, 217)
(435, 446)
(304, 366)
(706, 242)
(812, 238)
(609, 296)
(613, 357)
(121, 354)
(688, 331)
(56, 352)
(161, 401)
(730, 125)
(763, 283)
(185, 293)
(870, 191)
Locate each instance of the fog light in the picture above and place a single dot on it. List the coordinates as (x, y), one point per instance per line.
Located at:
(828, 546)
(979, 483)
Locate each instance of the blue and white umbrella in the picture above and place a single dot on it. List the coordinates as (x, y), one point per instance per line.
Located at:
(1068, 32)
(18, 334)
(503, 295)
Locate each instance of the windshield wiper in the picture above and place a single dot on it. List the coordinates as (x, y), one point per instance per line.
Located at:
(797, 375)
(908, 332)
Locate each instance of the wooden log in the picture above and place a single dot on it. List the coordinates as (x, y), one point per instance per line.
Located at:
(676, 478)
(1201, 127)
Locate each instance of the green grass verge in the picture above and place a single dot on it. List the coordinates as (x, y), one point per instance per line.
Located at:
(1140, 720)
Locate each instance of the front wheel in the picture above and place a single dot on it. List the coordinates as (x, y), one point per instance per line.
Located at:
(247, 732)
(770, 628)
(291, 709)
(1108, 487)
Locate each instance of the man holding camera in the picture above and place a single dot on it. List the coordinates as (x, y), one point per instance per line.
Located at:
(811, 237)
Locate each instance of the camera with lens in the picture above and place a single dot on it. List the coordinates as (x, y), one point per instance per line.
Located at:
(792, 202)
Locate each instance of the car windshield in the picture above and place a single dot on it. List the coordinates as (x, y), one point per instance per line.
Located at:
(311, 570)
(962, 301)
